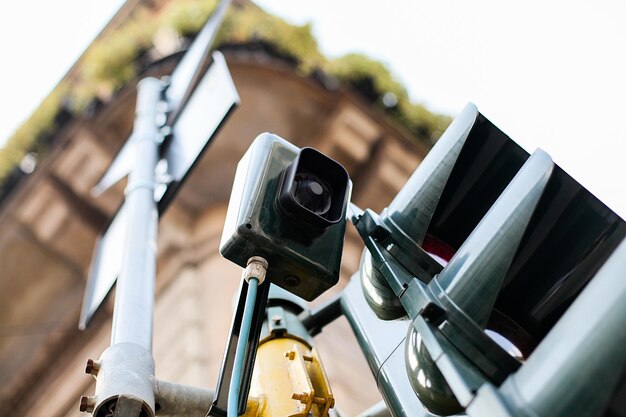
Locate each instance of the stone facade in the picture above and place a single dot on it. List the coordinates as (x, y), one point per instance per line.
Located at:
(49, 224)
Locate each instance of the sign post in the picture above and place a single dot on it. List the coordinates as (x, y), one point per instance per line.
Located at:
(174, 124)
(198, 104)
(125, 371)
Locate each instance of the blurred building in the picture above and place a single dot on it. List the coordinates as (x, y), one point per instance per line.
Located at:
(50, 222)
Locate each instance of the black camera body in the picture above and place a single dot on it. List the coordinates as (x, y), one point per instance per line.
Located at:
(289, 206)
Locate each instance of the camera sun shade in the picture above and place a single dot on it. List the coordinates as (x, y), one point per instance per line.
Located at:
(314, 190)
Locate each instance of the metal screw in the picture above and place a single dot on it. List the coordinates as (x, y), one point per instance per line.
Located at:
(291, 280)
(87, 404)
(276, 319)
(92, 367)
(304, 397)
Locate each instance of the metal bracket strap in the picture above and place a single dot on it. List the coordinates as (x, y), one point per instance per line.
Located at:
(220, 401)
(414, 259)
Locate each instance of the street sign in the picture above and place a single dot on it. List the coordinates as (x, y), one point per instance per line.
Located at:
(198, 122)
(187, 72)
(119, 168)
(198, 106)
(182, 84)
(207, 109)
(105, 266)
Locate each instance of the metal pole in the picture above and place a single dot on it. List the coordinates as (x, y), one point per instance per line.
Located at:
(125, 372)
(176, 400)
(134, 297)
(382, 343)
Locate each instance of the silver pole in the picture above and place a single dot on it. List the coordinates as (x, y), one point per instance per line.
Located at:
(125, 371)
(134, 296)
(178, 400)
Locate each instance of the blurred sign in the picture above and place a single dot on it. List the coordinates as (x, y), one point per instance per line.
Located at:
(198, 121)
(207, 109)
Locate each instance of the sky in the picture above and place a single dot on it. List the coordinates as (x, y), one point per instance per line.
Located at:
(549, 74)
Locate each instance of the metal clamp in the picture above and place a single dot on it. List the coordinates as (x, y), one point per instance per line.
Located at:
(256, 268)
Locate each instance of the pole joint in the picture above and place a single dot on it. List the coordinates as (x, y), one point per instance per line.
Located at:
(256, 268)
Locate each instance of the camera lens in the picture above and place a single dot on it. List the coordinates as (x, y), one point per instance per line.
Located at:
(312, 194)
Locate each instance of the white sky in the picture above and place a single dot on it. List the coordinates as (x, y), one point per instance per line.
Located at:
(549, 74)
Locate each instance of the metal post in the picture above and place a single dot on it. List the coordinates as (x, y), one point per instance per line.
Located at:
(382, 343)
(176, 400)
(134, 297)
(125, 379)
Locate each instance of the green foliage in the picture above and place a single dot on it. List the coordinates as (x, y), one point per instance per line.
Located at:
(352, 68)
(40, 122)
(357, 70)
(422, 122)
(187, 17)
(107, 65)
(110, 62)
(253, 24)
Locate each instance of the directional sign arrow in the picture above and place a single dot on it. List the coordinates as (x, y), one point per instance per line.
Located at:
(199, 104)
(106, 263)
(183, 82)
(188, 71)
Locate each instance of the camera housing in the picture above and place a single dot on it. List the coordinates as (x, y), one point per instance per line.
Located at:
(313, 191)
(288, 205)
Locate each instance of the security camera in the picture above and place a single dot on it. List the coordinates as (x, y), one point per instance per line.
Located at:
(288, 205)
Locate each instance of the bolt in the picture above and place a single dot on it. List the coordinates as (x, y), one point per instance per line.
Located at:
(276, 319)
(92, 367)
(165, 131)
(291, 280)
(291, 355)
(87, 404)
(303, 398)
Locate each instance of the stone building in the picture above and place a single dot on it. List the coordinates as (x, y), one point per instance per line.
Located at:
(50, 222)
